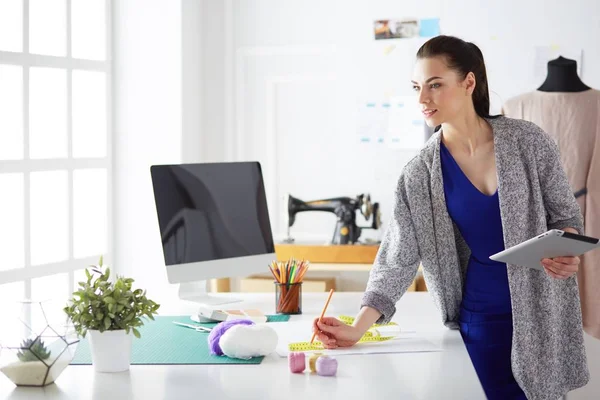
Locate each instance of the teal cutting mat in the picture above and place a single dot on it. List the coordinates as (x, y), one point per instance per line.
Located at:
(163, 342)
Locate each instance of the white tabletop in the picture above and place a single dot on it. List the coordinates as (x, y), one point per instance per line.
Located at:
(433, 375)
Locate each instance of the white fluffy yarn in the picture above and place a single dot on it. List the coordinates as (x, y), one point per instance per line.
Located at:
(247, 341)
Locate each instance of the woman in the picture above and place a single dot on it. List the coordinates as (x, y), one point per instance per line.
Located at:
(480, 184)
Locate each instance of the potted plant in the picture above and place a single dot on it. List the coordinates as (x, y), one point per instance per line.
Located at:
(111, 312)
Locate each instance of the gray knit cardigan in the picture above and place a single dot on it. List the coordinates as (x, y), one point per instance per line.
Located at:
(548, 355)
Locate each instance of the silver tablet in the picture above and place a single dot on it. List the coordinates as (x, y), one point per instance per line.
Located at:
(554, 243)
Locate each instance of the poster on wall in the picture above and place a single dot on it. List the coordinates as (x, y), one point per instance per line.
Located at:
(405, 28)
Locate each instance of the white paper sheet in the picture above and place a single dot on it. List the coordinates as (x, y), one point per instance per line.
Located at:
(406, 126)
(300, 331)
(372, 122)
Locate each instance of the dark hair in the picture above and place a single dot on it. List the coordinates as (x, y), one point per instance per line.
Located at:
(463, 57)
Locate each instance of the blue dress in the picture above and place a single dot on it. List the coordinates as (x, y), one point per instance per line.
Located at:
(485, 313)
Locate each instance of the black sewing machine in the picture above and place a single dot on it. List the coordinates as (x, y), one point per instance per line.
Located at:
(346, 230)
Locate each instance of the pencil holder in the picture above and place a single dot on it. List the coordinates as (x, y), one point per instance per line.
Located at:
(288, 298)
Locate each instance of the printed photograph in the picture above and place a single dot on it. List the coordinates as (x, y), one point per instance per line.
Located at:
(396, 29)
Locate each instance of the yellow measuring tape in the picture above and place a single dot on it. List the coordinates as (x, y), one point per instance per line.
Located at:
(371, 336)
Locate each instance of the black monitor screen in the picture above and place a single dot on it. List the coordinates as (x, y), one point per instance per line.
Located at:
(211, 211)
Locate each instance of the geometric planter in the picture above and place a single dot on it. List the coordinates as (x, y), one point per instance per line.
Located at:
(35, 348)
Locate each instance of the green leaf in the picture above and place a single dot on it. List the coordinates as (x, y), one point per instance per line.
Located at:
(100, 304)
(136, 333)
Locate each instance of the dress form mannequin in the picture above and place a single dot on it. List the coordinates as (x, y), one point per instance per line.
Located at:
(569, 111)
(562, 77)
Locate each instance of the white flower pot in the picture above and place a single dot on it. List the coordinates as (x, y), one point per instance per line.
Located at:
(111, 350)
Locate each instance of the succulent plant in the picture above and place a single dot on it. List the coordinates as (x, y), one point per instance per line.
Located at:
(33, 350)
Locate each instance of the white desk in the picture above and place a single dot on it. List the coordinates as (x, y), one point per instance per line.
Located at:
(437, 375)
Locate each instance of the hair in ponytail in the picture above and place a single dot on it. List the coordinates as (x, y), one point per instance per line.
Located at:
(463, 57)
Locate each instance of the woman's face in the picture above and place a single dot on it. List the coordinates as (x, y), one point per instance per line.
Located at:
(441, 93)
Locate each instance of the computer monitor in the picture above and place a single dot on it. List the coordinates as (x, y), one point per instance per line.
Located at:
(214, 223)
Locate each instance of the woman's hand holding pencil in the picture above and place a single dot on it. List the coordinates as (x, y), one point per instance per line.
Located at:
(334, 333)
(312, 339)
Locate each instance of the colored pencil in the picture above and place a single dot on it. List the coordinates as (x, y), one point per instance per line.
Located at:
(322, 314)
(288, 274)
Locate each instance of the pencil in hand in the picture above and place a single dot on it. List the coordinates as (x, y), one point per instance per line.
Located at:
(322, 314)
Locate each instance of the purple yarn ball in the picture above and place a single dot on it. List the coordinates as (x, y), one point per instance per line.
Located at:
(219, 330)
(326, 366)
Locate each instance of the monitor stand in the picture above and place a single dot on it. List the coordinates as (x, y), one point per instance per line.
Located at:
(197, 292)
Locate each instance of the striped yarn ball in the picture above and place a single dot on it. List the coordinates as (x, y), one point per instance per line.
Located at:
(327, 366)
(297, 362)
(312, 361)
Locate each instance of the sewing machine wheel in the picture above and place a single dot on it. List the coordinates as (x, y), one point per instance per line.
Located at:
(366, 207)
(376, 216)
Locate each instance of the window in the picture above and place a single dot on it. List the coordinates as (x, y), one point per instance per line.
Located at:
(55, 158)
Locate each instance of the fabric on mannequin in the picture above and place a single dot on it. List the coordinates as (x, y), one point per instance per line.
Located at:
(562, 77)
(572, 118)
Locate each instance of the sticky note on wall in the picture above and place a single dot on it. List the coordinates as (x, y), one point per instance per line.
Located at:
(429, 27)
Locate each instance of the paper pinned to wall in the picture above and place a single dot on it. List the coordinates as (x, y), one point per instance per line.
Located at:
(399, 28)
(406, 127)
(397, 123)
(372, 121)
(406, 28)
(543, 54)
(300, 331)
(429, 27)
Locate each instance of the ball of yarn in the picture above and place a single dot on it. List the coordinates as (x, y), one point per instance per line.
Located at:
(215, 335)
(313, 360)
(327, 366)
(247, 341)
(297, 361)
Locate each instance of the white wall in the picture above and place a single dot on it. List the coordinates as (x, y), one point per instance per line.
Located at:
(147, 130)
(279, 81)
(283, 82)
(282, 75)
